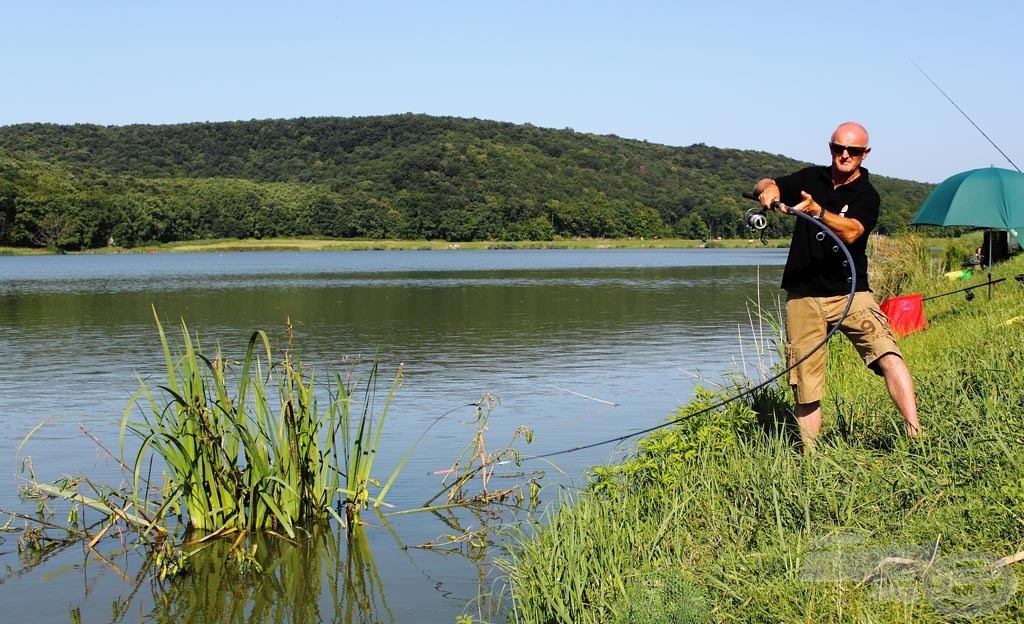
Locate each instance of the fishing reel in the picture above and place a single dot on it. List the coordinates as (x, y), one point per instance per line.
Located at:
(756, 219)
(757, 222)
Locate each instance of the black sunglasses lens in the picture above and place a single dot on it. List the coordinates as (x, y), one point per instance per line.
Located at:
(854, 151)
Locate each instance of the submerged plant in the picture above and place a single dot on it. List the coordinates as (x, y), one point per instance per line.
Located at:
(476, 462)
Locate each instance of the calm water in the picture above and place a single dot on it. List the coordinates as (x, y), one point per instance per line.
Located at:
(580, 346)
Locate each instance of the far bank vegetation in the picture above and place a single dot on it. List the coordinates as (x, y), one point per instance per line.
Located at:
(399, 177)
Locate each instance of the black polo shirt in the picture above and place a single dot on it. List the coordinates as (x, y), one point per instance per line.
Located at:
(818, 268)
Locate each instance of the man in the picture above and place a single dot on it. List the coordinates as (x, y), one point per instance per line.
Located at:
(817, 279)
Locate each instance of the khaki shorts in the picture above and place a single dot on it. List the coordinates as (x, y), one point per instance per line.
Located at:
(808, 320)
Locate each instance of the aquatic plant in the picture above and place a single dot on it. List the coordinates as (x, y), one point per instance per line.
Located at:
(224, 451)
(236, 455)
(476, 462)
(227, 447)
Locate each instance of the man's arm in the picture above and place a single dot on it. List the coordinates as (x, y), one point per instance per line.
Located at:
(847, 229)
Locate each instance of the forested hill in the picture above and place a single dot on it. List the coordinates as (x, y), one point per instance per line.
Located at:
(399, 176)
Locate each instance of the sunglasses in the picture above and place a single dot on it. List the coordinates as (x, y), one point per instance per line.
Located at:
(853, 150)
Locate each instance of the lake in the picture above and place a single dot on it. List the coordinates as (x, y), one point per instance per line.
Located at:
(578, 345)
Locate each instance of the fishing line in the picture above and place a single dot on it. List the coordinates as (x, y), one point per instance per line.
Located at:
(965, 115)
(849, 301)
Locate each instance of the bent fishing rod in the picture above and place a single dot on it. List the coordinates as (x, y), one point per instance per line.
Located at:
(756, 220)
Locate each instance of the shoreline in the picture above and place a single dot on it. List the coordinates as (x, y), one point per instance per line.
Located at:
(297, 244)
(327, 244)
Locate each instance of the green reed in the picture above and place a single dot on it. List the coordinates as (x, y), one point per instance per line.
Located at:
(249, 445)
(359, 443)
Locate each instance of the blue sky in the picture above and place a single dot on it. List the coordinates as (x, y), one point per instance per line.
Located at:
(768, 76)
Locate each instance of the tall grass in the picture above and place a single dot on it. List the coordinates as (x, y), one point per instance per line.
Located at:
(896, 263)
(874, 527)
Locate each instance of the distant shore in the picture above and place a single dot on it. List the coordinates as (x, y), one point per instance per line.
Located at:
(299, 244)
(330, 244)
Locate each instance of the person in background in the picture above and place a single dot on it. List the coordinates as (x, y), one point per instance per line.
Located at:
(817, 279)
(978, 259)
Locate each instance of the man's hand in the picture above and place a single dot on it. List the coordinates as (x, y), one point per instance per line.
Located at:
(848, 230)
(767, 192)
(808, 206)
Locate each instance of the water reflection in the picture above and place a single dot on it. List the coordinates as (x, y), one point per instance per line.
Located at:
(328, 576)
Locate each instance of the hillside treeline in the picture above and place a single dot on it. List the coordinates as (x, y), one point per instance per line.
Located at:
(391, 177)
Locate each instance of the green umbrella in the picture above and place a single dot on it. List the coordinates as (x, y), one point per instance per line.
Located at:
(986, 198)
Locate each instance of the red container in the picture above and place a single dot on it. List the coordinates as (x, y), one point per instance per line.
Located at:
(906, 314)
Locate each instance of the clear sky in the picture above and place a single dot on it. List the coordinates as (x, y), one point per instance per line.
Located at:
(773, 76)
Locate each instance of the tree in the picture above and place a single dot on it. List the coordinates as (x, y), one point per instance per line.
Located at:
(8, 203)
(52, 231)
(693, 227)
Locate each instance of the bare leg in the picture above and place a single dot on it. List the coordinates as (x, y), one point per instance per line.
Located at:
(901, 388)
(808, 419)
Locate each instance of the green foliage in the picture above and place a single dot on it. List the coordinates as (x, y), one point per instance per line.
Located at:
(699, 429)
(954, 255)
(894, 264)
(398, 177)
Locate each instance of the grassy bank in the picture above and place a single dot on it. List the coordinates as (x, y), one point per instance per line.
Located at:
(719, 519)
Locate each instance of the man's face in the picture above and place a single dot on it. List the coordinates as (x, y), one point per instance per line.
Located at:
(849, 149)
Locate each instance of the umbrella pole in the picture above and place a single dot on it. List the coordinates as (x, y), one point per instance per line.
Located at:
(988, 261)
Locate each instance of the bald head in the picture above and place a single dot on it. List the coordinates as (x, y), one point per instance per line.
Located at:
(850, 133)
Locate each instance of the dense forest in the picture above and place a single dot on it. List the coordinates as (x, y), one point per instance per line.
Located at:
(75, 187)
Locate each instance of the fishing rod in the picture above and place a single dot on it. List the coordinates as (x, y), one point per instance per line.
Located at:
(965, 115)
(968, 289)
(756, 219)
